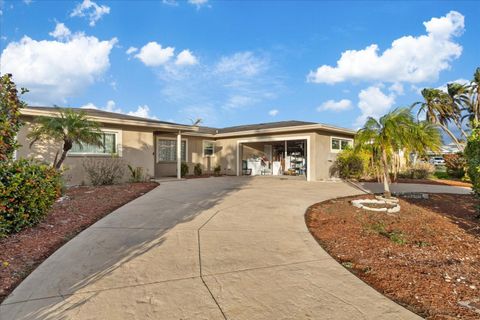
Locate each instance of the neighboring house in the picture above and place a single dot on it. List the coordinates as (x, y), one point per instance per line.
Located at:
(293, 147)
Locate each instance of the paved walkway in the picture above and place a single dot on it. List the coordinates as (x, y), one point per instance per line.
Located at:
(415, 187)
(217, 248)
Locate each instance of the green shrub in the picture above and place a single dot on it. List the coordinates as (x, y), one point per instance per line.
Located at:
(441, 175)
(136, 174)
(217, 170)
(197, 170)
(455, 164)
(419, 170)
(104, 171)
(472, 154)
(27, 191)
(350, 164)
(184, 169)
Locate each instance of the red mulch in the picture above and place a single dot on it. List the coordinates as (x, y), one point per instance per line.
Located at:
(22, 252)
(426, 258)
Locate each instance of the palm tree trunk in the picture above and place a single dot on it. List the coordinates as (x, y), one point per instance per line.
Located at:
(450, 133)
(386, 186)
(59, 163)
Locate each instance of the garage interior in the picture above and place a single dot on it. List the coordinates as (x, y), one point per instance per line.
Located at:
(275, 158)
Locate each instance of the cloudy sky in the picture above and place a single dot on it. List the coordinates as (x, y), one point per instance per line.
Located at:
(237, 62)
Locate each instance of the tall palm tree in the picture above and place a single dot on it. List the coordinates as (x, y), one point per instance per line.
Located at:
(395, 131)
(474, 108)
(459, 98)
(439, 110)
(68, 128)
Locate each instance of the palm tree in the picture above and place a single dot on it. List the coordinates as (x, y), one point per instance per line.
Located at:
(68, 128)
(439, 110)
(459, 98)
(395, 131)
(474, 105)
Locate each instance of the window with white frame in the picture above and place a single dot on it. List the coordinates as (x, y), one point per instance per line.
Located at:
(208, 148)
(339, 144)
(167, 150)
(108, 145)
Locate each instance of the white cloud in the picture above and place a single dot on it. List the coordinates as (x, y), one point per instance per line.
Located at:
(53, 70)
(273, 112)
(131, 50)
(373, 103)
(186, 58)
(153, 55)
(409, 59)
(397, 88)
(239, 101)
(27, 2)
(198, 3)
(170, 2)
(333, 105)
(90, 9)
(241, 63)
(141, 111)
(61, 32)
(443, 87)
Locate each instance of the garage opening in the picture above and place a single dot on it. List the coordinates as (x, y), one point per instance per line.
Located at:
(275, 158)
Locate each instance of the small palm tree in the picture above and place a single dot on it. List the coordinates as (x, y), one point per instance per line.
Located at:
(393, 132)
(68, 128)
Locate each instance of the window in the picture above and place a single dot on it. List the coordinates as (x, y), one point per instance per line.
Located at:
(208, 148)
(339, 144)
(109, 145)
(167, 150)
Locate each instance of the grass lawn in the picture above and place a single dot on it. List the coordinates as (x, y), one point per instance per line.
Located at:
(426, 258)
(22, 252)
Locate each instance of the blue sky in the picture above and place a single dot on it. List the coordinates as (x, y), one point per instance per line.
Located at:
(238, 62)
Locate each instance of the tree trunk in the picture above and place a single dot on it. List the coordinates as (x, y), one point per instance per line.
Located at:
(455, 140)
(386, 186)
(67, 145)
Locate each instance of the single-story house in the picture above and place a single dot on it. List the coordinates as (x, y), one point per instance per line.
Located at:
(306, 149)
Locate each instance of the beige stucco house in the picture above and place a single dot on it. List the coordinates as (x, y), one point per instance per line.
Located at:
(288, 147)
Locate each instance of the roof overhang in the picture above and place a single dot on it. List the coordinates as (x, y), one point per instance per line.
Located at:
(126, 122)
(309, 127)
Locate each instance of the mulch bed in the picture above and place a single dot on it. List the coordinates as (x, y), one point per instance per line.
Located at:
(426, 258)
(22, 252)
(440, 182)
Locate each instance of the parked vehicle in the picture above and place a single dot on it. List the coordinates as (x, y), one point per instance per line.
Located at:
(437, 161)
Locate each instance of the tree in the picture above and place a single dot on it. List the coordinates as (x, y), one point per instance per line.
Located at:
(10, 105)
(68, 128)
(473, 107)
(393, 132)
(472, 155)
(439, 110)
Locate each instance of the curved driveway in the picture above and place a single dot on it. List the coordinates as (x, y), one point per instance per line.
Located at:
(216, 248)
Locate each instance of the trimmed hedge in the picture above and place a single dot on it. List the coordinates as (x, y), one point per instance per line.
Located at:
(27, 191)
(472, 154)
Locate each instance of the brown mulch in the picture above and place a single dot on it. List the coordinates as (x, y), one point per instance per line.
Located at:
(426, 258)
(22, 252)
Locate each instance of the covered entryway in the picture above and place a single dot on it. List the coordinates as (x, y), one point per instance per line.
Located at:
(274, 157)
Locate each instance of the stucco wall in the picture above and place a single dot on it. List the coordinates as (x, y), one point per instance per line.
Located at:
(194, 156)
(136, 150)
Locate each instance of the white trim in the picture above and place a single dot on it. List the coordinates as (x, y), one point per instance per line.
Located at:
(203, 148)
(118, 140)
(339, 138)
(170, 138)
(288, 138)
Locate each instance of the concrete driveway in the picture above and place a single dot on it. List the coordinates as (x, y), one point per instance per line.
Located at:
(216, 248)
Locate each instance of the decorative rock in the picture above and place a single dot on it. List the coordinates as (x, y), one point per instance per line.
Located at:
(361, 203)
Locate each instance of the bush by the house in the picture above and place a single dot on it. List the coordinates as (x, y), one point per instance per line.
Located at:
(472, 154)
(197, 170)
(136, 174)
(104, 171)
(184, 169)
(217, 170)
(27, 191)
(419, 170)
(349, 164)
(455, 164)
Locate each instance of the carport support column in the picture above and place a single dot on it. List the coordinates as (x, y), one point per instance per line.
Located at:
(179, 155)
